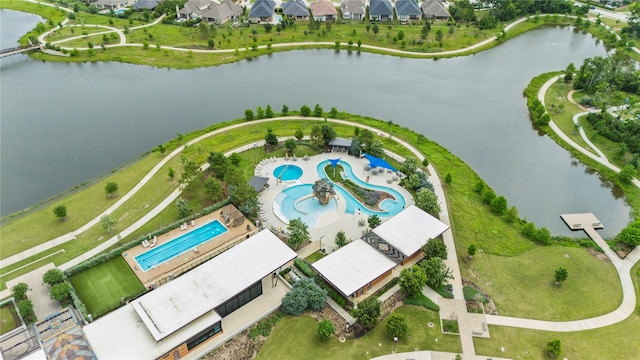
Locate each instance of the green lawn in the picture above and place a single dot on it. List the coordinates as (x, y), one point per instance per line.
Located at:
(523, 286)
(8, 319)
(102, 287)
(562, 111)
(618, 341)
(314, 257)
(296, 338)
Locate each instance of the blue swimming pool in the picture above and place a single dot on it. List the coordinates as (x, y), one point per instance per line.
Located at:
(287, 172)
(296, 202)
(183, 243)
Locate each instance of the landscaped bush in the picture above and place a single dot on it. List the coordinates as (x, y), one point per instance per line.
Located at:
(19, 291)
(25, 308)
(304, 267)
(421, 300)
(264, 327)
(304, 294)
(471, 294)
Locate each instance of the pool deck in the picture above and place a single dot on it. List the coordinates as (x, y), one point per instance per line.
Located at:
(328, 224)
(191, 257)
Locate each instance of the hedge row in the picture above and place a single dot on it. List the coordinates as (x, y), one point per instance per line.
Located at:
(117, 251)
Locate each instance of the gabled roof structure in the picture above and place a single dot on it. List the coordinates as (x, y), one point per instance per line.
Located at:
(262, 9)
(435, 8)
(380, 7)
(407, 8)
(295, 8)
(323, 8)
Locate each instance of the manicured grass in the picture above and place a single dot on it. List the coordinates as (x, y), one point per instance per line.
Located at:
(296, 338)
(8, 318)
(102, 287)
(618, 341)
(314, 257)
(421, 300)
(523, 286)
(562, 111)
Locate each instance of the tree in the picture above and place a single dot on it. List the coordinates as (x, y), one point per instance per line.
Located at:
(376, 148)
(439, 35)
(108, 222)
(285, 110)
(19, 291)
(260, 112)
(554, 348)
(248, 114)
(626, 174)
(191, 174)
(334, 112)
(448, 179)
(184, 207)
(561, 275)
(304, 294)
(271, 139)
(412, 280)
(471, 250)
(298, 233)
(375, 28)
(25, 308)
(213, 188)
(53, 276)
(428, 201)
(218, 164)
(512, 215)
(435, 248)
(61, 292)
(235, 159)
(374, 221)
(305, 110)
(367, 312)
(409, 166)
(355, 149)
(328, 134)
(269, 112)
(317, 111)
(325, 329)
(341, 239)
(630, 235)
(299, 134)
(437, 272)
(171, 173)
(290, 144)
(60, 212)
(499, 205)
(242, 195)
(396, 325)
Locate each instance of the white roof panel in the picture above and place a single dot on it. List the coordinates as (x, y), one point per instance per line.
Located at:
(410, 229)
(353, 266)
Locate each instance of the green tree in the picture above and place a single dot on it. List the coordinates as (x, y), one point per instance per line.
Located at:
(554, 348)
(111, 188)
(499, 205)
(396, 325)
(428, 201)
(434, 248)
(317, 111)
(328, 134)
(285, 110)
(213, 188)
(412, 182)
(341, 239)
(412, 280)
(333, 113)
(19, 291)
(367, 312)
(512, 215)
(60, 212)
(488, 195)
(25, 308)
(53, 276)
(439, 35)
(304, 294)
(630, 235)
(171, 173)
(218, 164)
(191, 174)
(325, 329)
(471, 250)
(410, 165)
(184, 207)
(244, 196)
(260, 112)
(374, 221)
(271, 139)
(561, 275)
(376, 148)
(626, 174)
(299, 134)
(61, 292)
(248, 114)
(448, 179)
(437, 272)
(305, 110)
(290, 144)
(108, 222)
(375, 28)
(269, 112)
(298, 233)
(235, 159)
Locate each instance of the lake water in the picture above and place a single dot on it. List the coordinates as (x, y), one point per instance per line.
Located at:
(64, 124)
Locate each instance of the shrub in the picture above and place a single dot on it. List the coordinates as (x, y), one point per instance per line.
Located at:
(325, 329)
(19, 291)
(304, 267)
(25, 308)
(304, 294)
(396, 325)
(421, 300)
(53, 276)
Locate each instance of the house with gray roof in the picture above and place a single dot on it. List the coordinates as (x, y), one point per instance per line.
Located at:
(434, 10)
(407, 10)
(113, 4)
(295, 9)
(210, 11)
(323, 10)
(150, 5)
(262, 11)
(353, 9)
(380, 10)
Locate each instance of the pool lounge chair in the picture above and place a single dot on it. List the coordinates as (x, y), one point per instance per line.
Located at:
(145, 243)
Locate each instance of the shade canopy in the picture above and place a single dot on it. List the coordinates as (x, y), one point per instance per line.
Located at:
(377, 162)
(334, 162)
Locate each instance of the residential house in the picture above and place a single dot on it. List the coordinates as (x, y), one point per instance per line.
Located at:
(210, 11)
(353, 9)
(323, 10)
(434, 10)
(113, 4)
(150, 5)
(295, 9)
(262, 11)
(407, 10)
(380, 10)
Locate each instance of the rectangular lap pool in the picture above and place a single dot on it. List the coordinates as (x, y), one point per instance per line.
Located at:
(183, 243)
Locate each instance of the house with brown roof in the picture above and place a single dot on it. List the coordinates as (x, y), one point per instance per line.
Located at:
(323, 10)
(434, 10)
(353, 9)
(210, 11)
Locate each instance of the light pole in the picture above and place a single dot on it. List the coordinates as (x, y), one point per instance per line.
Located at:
(321, 243)
(395, 340)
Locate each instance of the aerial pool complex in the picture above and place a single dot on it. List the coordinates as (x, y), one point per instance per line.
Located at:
(183, 243)
(287, 172)
(298, 201)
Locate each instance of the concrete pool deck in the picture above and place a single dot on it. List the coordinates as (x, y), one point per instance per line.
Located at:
(190, 258)
(328, 224)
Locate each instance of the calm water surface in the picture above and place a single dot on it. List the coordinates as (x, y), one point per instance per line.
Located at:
(64, 124)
